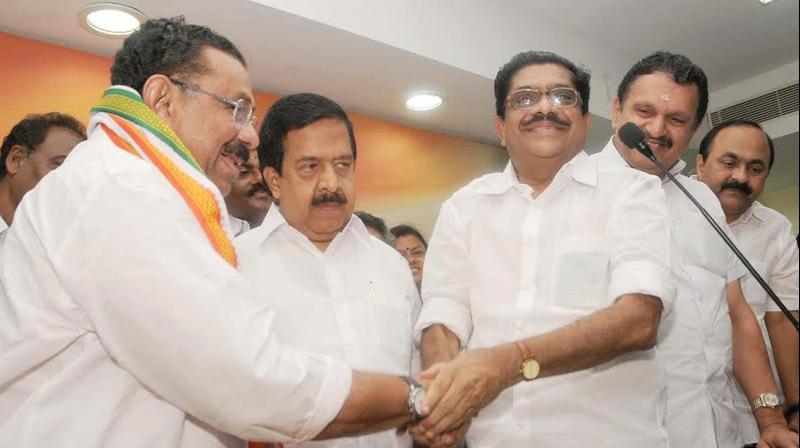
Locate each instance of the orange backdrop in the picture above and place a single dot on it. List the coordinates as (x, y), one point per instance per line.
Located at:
(403, 173)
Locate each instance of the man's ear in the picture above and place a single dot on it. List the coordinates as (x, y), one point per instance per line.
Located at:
(159, 93)
(17, 156)
(272, 178)
(700, 165)
(616, 113)
(500, 130)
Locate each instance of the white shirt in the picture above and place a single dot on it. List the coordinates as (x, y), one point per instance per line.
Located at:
(121, 327)
(502, 266)
(694, 341)
(238, 226)
(765, 238)
(356, 301)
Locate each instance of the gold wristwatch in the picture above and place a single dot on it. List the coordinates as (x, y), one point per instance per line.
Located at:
(530, 368)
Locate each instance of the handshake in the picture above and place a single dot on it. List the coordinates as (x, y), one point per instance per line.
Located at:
(455, 391)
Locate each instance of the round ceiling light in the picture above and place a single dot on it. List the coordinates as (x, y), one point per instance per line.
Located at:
(424, 101)
(110, 19)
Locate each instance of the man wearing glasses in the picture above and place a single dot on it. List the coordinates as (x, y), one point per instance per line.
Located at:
(553, 276)
(123, 318)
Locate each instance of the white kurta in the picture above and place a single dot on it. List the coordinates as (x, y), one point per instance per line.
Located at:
(502, 266)
(694, 341)
(356, 301)
(765, 238)
(121, 327)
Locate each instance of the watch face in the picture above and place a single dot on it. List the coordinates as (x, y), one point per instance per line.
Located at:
(530, 369)
(772, 400)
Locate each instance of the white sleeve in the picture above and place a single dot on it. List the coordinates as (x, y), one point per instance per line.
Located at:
(783, 273)
(638, 229)
(182, 321)
(446, 278)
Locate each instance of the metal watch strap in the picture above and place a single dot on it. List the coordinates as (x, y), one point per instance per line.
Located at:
(761, 402)
(413, 389)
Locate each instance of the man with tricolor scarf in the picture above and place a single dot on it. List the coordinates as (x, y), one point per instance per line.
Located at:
(123, 319)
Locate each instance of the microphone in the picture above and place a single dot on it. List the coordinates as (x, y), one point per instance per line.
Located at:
(634, 138)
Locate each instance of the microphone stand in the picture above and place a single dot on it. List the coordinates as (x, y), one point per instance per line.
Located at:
(649, 154)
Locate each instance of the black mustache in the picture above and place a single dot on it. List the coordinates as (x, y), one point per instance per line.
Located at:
(744, 187)
(663, 141)
(329, 198)
(255, 188)
(551, 116)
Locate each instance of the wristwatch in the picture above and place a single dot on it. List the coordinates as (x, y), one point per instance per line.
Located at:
(530, 368)
(768, 400)
(415, 399)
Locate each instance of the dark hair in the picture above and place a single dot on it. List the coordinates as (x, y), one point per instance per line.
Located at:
(683, 71)
(374, 222)
(502, 82)
(406, 230)
(169, 47)
(32, 131)
(708, 140)
(296, 112)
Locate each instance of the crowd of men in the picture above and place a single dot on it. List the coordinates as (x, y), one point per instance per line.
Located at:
(186, 280)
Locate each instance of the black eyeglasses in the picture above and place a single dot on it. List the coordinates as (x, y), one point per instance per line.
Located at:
(242, 108)
(559, 97)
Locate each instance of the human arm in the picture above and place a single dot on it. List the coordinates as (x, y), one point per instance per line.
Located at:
(375, 403)
(752, 369)
(783, 279)
(470, 382)
(785, 348)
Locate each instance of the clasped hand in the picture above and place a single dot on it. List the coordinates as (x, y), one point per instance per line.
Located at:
(458, 389)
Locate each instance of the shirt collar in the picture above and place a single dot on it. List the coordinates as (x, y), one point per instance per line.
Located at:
(576, 167)
(610, 154)
(239, 226)
(3, 225)
(275, 220)
(755, 211)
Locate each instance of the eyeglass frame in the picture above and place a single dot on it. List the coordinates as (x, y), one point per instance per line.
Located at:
(235, 104)
(545, 93)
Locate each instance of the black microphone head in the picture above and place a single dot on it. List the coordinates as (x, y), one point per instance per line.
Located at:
(631, 135)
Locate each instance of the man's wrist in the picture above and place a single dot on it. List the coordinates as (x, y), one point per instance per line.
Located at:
(766, 417)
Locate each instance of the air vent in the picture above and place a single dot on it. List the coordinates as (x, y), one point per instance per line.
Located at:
(765, 107)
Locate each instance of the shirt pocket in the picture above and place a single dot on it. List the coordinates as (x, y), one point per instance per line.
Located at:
(580, 272)
(391, 314)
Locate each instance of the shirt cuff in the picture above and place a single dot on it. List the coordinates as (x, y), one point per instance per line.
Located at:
(330, 399)
(453, 315)
(641, 277)
(790, 304)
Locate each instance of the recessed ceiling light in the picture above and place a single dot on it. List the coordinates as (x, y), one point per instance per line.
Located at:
(424, 101)
(765, 2)
(110, 19)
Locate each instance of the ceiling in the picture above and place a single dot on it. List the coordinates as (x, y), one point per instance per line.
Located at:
(370, 54)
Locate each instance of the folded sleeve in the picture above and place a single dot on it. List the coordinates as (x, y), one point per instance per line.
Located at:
(183, 322)
(446, 279)
(638, 229)
(783, 273)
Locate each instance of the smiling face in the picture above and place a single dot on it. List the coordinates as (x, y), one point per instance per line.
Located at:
(204, 124)
(541, 130)
(665, 111)
(316, 190)
(736, 168)
(249, 197)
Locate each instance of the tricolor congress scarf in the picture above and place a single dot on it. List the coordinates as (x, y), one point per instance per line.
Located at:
(135, 128)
